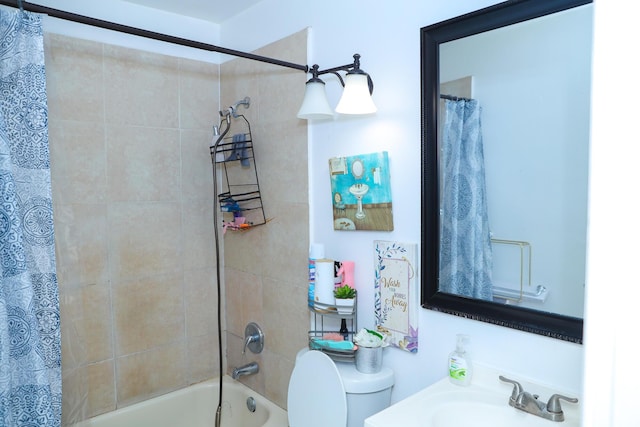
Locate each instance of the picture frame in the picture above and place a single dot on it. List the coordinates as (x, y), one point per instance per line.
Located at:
(361, 192)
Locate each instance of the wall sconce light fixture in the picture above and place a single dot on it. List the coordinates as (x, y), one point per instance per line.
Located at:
(356, 96)
(315, 104)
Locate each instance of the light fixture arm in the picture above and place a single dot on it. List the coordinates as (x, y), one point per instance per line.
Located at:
(339, 77)
(348, 67)
(314, 70)
(353, 68)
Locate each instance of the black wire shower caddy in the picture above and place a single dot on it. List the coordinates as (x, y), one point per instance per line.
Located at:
(240, 189)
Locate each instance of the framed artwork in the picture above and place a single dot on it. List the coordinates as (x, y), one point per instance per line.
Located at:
(361, 192)
(396, 293)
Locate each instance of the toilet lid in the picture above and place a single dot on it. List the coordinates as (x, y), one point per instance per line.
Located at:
(316, 395)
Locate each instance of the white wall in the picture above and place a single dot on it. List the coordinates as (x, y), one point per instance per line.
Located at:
(387, 36)
(611, 330)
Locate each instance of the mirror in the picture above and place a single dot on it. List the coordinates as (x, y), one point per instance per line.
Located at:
(522, 70)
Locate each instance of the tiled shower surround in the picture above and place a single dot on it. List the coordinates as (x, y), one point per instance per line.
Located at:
(133, 210)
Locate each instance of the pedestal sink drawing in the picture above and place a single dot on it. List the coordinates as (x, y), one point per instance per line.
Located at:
(359, 190)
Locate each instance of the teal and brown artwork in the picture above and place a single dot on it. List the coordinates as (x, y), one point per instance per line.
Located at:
(361, 192)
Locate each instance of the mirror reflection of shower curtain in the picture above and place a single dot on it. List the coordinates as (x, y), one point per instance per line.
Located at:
(465, 241)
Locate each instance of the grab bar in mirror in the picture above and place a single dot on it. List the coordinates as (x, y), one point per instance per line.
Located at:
(511, 294)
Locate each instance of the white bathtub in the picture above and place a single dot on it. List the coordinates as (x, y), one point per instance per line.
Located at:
(195, 406)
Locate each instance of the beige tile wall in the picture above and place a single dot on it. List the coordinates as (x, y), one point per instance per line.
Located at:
(133, 204)
(265, 269)
(133, 197)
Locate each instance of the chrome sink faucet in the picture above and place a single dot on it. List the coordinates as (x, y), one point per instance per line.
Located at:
(529, 403)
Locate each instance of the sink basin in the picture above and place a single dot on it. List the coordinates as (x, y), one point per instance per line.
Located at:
(485, 403)
(359, 190)
(487, 415)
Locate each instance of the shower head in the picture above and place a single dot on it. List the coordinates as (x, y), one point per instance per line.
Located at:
(231, 111)
(246, 102)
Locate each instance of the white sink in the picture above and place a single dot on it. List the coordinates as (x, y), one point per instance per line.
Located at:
(485, 403)
(359, 190)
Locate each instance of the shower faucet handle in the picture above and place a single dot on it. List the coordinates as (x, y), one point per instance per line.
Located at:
(253, 338)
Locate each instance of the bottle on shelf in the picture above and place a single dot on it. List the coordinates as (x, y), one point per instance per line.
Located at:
(343, 329)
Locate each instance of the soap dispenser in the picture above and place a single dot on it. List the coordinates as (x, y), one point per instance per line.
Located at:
(460, 369)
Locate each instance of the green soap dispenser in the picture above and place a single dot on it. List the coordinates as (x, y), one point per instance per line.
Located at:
(460, 368)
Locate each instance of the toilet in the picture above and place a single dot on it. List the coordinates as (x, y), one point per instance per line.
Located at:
(325, 393)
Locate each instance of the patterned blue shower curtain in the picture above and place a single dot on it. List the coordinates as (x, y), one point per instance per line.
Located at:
(30, 368)
(465, 239)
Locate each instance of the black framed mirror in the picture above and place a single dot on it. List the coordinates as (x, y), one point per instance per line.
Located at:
(507, 311)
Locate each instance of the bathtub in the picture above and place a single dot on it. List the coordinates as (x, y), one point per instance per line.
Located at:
(195, 406)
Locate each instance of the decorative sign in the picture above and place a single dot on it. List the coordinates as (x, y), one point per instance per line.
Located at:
(396, 293)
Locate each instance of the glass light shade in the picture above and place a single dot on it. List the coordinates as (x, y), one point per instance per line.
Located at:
(315, 104)
(356, 98)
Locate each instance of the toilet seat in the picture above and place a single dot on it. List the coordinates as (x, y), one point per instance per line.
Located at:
(317, 396)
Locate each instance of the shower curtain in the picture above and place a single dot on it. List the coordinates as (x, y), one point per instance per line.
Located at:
(30, 369)
(465, 241)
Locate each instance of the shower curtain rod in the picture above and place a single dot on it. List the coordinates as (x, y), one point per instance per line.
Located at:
(68, 16)
(455, 98)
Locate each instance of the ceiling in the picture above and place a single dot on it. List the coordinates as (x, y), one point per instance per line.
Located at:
(216, 11)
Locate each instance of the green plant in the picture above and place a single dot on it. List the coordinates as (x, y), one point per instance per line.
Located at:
(344, 292)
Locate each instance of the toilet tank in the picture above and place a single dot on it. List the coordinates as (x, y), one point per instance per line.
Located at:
(367, 394)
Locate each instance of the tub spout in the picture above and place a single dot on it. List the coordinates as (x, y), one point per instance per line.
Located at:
(248, 369)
